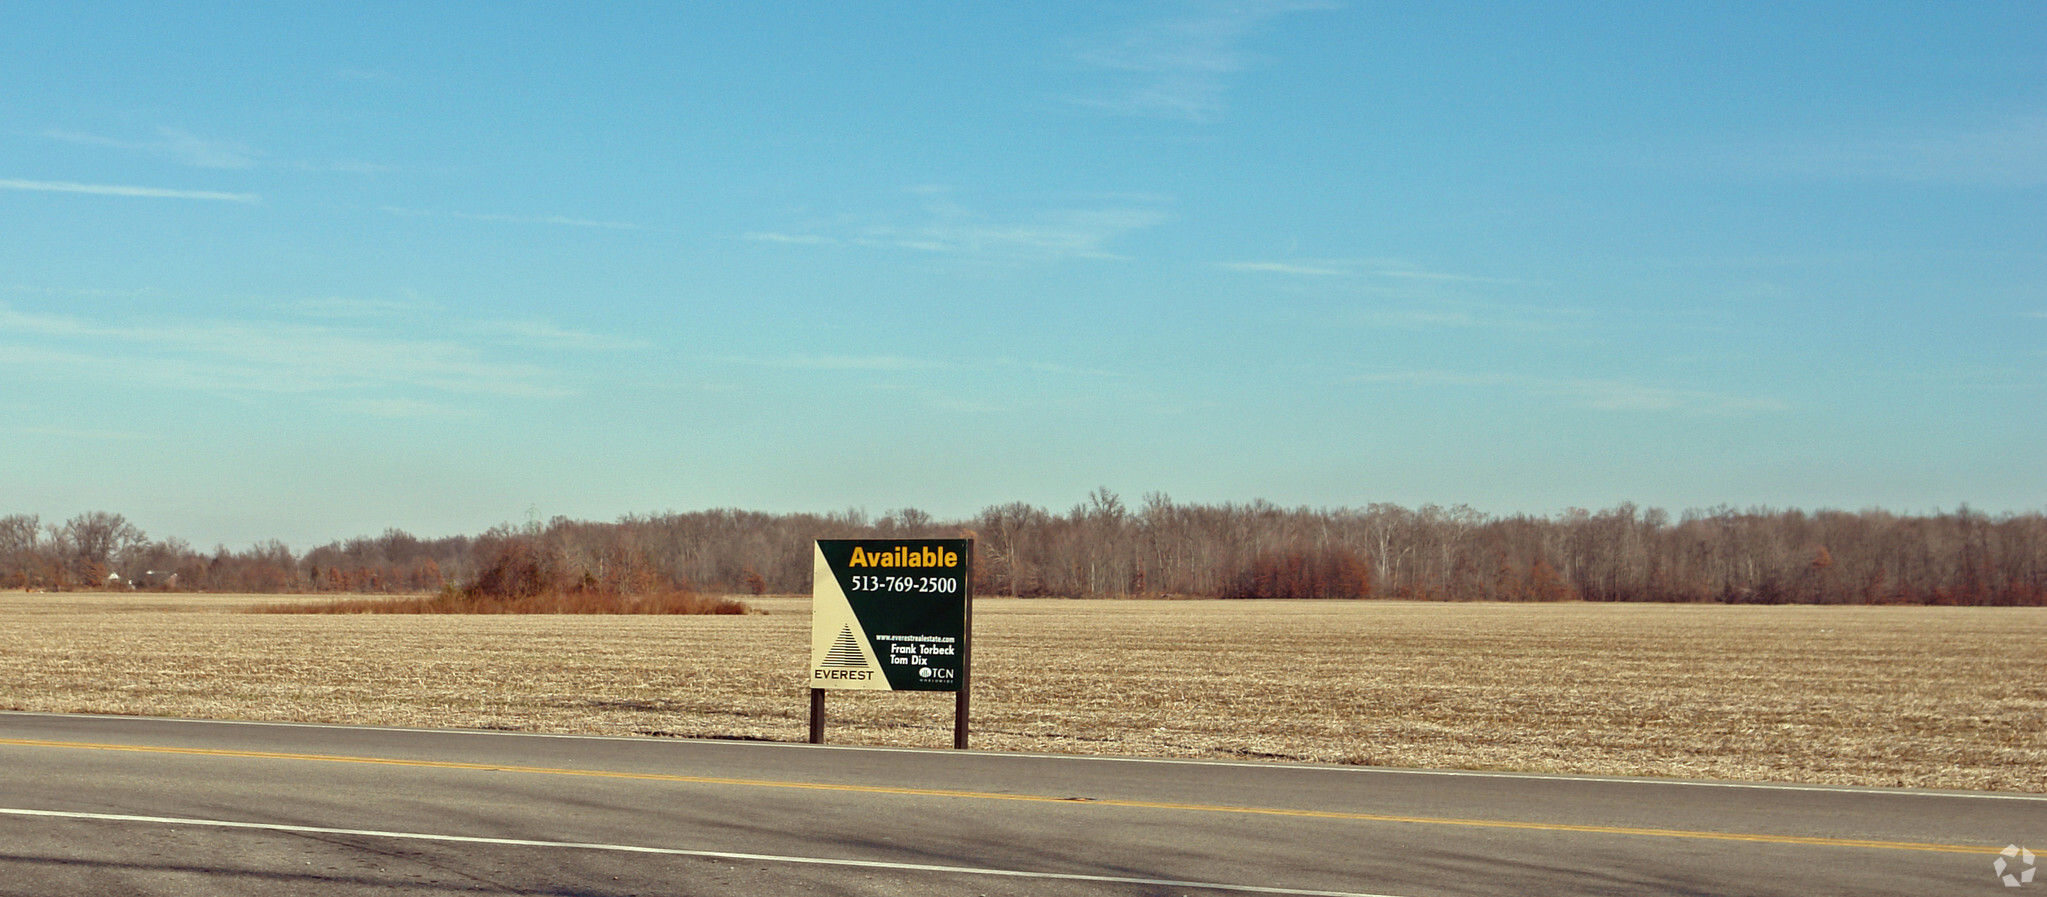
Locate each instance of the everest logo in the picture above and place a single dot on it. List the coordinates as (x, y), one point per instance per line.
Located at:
(2016, 876)
(845, 651)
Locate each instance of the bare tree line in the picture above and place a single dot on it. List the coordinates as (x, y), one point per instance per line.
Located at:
(1104, 547)
(102, 550)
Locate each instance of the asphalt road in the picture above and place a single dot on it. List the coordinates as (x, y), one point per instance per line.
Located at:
(119, 805)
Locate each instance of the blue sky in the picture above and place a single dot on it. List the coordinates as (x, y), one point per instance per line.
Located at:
(309, 271)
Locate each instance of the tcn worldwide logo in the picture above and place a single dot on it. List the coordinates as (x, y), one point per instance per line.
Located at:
(2014, 866)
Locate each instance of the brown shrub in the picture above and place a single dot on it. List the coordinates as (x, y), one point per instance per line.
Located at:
(674, 601)
(529, 576)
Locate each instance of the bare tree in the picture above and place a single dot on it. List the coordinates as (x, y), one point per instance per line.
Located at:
(21, 545)
(94, 538)
(1102, 548)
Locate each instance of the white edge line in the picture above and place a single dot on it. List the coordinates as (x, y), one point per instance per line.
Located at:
(676, 851)
(1162, 761)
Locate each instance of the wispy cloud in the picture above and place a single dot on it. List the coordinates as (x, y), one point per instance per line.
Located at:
(204, 153)
(126, 190)
(543, 335)
(1067, 233)
(75, 291)
(965, 385)
(1472, 317)
(843, 363)
(1292, 268)
(906, 364)
(793, 239)
(557, 220)
(343, 307)
(185, 148)
(561, 220)
(404, 409)
(283, 357)
(1391, 292)
(1063, 370)
(528, 333)
(347, 166)
(1179, 68)
(175, 144)
(2010, 152)
(76, 433)
(1382, 268)
(944, 226)
(1593, 394)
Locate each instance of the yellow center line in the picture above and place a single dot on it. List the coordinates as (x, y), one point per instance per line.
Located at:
(1029, 798)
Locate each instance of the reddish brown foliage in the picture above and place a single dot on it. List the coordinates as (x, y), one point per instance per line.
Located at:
(528, 575)
(1105, 548)
(1304, 574)
(677, 601)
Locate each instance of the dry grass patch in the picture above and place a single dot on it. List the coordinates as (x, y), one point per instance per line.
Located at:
(668, 601)
(1930, 697)
(1924, 697)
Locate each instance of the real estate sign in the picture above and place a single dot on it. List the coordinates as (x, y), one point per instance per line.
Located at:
(890, 614)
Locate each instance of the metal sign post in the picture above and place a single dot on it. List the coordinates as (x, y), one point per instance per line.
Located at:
(966, 689)
(891, 615)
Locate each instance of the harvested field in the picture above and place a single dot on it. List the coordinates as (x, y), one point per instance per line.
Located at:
(1909, 696)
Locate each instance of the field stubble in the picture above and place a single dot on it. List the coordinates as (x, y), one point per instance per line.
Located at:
(1901, 696)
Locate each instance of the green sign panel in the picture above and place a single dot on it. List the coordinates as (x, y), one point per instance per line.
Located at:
(890, 614)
